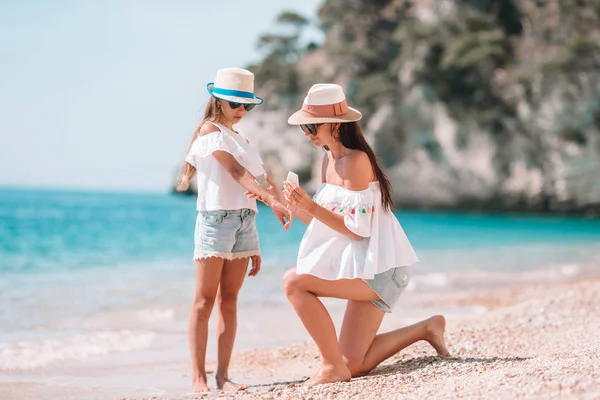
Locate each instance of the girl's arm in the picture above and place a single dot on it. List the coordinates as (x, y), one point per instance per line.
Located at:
(245, 178)
(302, 215)
(298, 213)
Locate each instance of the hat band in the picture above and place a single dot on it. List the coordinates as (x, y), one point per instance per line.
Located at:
(235, 93)
(328, 110)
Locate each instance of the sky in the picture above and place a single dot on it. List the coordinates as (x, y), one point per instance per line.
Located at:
(105, 94)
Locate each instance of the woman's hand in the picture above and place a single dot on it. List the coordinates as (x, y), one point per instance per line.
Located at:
(256, 261)
(297, 196)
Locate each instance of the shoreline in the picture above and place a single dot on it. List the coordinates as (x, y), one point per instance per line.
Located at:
(482, 206)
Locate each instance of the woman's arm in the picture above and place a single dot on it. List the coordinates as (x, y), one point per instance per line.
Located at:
(302, 215)
(298, 213)
(359, 174)
(331, 219)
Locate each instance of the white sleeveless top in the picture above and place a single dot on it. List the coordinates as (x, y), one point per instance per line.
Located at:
(217, 190)
(328, 254)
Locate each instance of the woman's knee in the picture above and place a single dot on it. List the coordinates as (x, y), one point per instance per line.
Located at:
(291, 281)
(355, 365)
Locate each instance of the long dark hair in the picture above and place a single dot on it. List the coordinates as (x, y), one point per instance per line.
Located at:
(351, 136)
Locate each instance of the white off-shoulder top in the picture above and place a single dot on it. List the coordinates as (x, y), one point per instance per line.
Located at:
(328, 254)
(217, 190)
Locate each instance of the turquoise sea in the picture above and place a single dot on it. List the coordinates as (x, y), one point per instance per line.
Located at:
(90, 275)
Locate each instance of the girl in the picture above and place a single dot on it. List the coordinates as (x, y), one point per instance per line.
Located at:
(226, 166)
(353, 248)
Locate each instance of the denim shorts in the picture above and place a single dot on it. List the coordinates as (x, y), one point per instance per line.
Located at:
(226, 234)
(389, 285)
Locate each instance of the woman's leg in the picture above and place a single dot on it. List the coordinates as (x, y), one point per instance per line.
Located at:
(303, 291)
(232, 279)
(363, 350)
(208, 274)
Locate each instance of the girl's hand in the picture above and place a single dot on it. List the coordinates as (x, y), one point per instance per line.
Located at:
(256, 261)
(274, 189)
(251, 195)
(283, 214)
(297, 196)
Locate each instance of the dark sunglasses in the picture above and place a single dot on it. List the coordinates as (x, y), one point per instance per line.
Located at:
(248, 107)
(312, 128)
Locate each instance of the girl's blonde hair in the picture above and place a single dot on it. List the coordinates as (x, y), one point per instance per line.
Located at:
(211, 113)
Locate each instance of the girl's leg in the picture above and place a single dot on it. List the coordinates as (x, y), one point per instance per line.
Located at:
(208, 274)
(303, 291)
(363, 350)
(232, 278)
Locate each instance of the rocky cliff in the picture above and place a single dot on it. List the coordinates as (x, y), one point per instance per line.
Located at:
(469, 104)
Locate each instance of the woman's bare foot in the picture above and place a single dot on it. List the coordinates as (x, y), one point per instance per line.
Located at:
(329, 374)
(227, 385)
(200, 385)
(435, 327)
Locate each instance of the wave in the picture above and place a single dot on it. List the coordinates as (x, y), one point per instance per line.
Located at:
(31, 354)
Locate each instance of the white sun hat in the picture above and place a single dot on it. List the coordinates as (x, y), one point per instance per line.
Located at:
(234, 84)
(325, 102)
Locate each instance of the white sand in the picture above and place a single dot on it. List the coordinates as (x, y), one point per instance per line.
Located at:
(539, 342)
(536, 340)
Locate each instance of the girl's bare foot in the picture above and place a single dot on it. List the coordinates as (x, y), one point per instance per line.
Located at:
(227, 385)
(329, 374)
(435, 327)
(200, 385)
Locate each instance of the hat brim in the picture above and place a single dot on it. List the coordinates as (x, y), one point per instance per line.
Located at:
(300, 117)
(241, 100)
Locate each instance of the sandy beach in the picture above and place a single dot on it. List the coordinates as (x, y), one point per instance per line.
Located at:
(513, 335)
(538, 341)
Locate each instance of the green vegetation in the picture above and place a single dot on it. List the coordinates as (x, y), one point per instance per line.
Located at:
(525, 73)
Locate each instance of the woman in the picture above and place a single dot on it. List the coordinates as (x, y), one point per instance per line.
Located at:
(353, 248)
(225, 238)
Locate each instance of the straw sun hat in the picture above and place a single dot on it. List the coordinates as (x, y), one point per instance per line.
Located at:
(234, 84)
(325, 102)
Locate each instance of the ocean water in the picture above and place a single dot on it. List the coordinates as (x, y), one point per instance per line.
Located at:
(86, 276)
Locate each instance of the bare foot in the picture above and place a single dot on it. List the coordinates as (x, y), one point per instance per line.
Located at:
(227, 385)
(200, 385)
(329, 374)
(435, 327)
